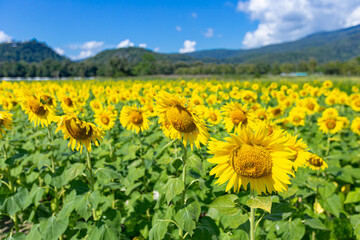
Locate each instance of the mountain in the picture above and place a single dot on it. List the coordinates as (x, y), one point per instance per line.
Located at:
(30, 51)
(338, 45)
(134, 55)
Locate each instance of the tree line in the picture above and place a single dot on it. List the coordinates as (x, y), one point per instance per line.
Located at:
(118, 67)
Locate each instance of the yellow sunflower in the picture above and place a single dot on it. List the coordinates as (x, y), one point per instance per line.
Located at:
(330, 122)
(297, 116)
(213, 116)
(39, 108)
(105, 119)
(355, 125)
(315, 162)
(81, 133)
(134, 118)
(254, 157)
(182, 120)
(5, 122)
(235, 115)
(301, 153)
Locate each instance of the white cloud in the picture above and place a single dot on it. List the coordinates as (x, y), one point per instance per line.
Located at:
(288, 20)
(189, 46)
(59, 51)
(178, 28)
(142, 45)
(156, 49)
(125, 43)
(209, 33)
(4, 37)
(88, 49)
(194, 15)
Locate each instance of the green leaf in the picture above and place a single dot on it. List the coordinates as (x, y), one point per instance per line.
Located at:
(234, 221)
(352, 197)
(16, 202)
(159, 230)
(315, 223)
(226, 204)
(355, 222)
(327, 190)
(207, 229)
(35, 196)
(172, 188)
(86, 202)
(195, 161)
(260, 202)
(293, 230)
(105, 232)
(34, 233)
(188, 216)
(332, 204)
(279, 211)
(53, 228)
(75, 170)
(107, 173)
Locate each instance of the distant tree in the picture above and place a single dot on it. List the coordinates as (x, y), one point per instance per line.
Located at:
(312, 64)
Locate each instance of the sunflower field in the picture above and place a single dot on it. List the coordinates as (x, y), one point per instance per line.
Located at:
(204, 159)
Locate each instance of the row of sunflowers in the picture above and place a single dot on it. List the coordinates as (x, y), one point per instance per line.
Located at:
(263, 157)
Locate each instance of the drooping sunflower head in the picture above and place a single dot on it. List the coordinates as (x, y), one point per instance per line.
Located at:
(81, 133)
(254, 157)
(105, 119)
(301, 153)
(5, 122)
(315, 162)
(134, 118)
(38, 108)
(182, 120)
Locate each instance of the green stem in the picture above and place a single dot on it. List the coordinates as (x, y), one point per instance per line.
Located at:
(252, 218)
(328, 146)
(184, 175)
(90, 170)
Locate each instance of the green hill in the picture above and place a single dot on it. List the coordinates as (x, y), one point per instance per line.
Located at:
(31, 51)
(134, 55)
(338, 45)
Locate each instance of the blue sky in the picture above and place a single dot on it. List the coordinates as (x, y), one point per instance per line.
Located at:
(80, 29)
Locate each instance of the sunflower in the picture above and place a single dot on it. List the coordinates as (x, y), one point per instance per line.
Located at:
(134, 118)
(39, 108)
(235, 115)
(5, 122)
(96, 105)
(213, 116)
(254, 157)
(182, 120)
(315, 162)
(301, 153)
(330, 122)
(81, 133)
(105, 119)
(297, 116)
(355, 125)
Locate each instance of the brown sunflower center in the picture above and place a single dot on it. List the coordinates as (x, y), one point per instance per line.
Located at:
(35, 107)
(46, 100)
(105, 120)
(238, 116)
(136, 117)
(357, 103)
(77, 131)
(251, 161)
(5, 103)
(297, 119)
(68, 102)
(262, 116)
(310, 106)
(181, 119)
(1, 122)
(197, 102)
(330, 123)
(316, 161)
(276, 111)
(213, 117)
